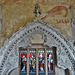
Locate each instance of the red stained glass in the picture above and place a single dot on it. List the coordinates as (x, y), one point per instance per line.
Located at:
(50, 54)
(41, 54)
(24, 55)
(30, 55)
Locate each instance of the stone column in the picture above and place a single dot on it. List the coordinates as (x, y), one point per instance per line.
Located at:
(71, 11)
(46, 70)
(59, 71)
(73, 30)
(36, 61)
(0, 20)
(72, 72)
(72, 24)
(28, 61)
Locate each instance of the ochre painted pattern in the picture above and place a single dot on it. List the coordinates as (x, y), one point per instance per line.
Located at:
(17, 13)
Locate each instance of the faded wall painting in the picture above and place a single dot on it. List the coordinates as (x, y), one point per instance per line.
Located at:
(16, 13)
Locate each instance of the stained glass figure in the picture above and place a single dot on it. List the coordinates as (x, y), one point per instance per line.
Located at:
(50, 60)
(41, 63)
(23, 61)
(32, 60)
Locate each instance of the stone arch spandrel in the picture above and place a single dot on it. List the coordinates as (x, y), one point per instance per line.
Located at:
(26, 34)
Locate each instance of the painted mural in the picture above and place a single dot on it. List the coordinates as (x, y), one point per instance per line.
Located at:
(17, 13)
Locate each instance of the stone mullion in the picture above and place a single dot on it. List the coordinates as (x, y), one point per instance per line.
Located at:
(46, 70)
(28, 61)
(36, 61)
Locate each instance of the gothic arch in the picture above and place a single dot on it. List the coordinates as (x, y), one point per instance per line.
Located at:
(52, 37)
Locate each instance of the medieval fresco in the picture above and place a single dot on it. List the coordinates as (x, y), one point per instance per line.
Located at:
(16, 13)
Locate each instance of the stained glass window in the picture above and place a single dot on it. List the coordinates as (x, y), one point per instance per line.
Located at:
(23, 61)
(32, 61)
(41, 59)
(50, 61)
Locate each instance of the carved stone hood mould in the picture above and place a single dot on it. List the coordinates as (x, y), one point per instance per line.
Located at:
(9, 53)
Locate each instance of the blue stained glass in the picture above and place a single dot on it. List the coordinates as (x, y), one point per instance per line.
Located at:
(32, 60)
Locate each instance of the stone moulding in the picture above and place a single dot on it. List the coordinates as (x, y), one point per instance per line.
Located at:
(9, 54)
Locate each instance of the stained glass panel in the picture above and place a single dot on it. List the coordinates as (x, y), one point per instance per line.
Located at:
(50, 61)
(32, 60)
(23, 61)
(41, 63)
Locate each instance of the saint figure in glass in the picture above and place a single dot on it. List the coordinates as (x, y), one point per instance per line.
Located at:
(23, 61)
(32, 60)
(41, 61)
(50, 60)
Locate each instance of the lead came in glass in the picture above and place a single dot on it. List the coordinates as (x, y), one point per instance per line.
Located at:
(23, 61)
(50, 60)
(32, 61)
(41, 63)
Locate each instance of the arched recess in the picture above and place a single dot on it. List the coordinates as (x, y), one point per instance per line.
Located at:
(9, 54)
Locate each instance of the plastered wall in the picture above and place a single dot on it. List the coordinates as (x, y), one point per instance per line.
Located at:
(17, 13)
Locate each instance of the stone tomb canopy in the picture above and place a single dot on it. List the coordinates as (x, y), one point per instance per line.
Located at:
(9, 54)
